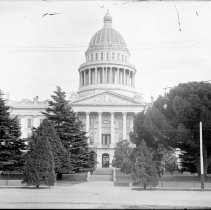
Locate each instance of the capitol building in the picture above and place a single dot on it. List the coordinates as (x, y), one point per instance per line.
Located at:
(106, 101)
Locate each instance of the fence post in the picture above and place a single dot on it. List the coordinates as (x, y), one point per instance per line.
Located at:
(130, 183)
(114, 174)
(88, 175)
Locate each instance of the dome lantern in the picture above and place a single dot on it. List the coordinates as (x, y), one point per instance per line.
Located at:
(107, 20)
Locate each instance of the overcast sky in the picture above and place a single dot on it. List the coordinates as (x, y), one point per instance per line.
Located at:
(37, 53)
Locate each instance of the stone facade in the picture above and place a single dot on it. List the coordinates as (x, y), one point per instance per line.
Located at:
(29, 113)
(107, 99)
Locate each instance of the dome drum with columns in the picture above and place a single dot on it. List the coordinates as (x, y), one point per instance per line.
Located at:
(107, 66)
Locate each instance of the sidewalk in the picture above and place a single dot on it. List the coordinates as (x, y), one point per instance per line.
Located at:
(101, 195)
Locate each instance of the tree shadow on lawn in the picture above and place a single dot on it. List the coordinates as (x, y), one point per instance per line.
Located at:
(168, 189)
(26, 187)
(41, 187)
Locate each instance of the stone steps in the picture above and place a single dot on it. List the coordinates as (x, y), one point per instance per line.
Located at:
(95, 177)
(107, 171)
(102, 174)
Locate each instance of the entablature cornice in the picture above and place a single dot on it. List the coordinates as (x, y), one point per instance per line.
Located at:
(101, 64)
(109, 109)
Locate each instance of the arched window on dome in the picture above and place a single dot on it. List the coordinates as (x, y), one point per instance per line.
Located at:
(118, 56)
(122, 57)
(91, 57)
(112, 56)
(101, 56)
(96, 56)
(107, 55)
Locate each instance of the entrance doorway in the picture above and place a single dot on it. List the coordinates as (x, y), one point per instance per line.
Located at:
(105, 160)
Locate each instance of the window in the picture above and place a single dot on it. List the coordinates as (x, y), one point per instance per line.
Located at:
(112, 56)
(41, 120)
(118, 123)
(29, 123)
(118, 56)
(92, 139)
(129, 123)
(106, 139)
(91, 57)
(96, 56)
(107, 56)
(122, 57)
(101, 56)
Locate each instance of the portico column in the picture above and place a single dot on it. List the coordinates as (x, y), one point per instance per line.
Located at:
(124, 125)
(87, 122)
(95, 75)
(112, 129)
(99, 143)
(87, 127)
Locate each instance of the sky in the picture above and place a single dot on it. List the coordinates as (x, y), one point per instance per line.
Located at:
(169, 43)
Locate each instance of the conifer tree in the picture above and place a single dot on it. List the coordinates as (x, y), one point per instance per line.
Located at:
(123, 156)
(144, 172)
(11, 145)
(61, 155)
(70, 130)
(39, 168)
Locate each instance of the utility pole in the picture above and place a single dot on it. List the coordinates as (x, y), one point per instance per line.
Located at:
(201, 158)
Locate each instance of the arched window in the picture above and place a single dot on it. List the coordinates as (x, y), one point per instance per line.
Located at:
(112, 56)
(122, 57)
(96, 56)
(118, 56)
(107, 56)
(101, 56)
(91, 57)
(125, 58)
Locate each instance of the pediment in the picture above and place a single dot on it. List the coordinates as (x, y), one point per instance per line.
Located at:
(106, 98)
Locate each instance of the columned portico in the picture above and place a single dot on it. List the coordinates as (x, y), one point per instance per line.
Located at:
(108, 124)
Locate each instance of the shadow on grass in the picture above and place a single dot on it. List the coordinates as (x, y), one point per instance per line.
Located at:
(68, 183)
(168, 189)
(42, 187)
(26, 187)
